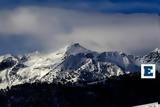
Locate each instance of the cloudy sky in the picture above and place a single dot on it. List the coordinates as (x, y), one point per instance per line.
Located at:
(131, 26)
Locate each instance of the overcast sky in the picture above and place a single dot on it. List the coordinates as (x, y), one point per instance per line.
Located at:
(29, 25)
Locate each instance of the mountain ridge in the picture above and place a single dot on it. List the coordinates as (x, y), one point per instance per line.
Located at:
(72, 64)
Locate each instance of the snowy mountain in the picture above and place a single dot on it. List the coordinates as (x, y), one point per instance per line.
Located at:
(152, 58)
(71, 64)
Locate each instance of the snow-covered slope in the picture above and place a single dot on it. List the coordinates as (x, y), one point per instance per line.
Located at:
(152, 58)
(71, 64)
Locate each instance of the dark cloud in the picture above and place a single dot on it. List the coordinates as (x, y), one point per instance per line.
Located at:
(109, 6)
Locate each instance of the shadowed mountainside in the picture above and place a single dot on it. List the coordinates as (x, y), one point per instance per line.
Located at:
(124, 91)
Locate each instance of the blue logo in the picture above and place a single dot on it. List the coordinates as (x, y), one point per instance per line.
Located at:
(148, 71)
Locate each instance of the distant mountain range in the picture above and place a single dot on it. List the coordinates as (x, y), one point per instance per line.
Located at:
(71, 64)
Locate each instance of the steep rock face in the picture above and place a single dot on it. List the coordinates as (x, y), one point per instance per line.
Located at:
(152, 57)
(72, 64)
(7, 62)
(126, 62)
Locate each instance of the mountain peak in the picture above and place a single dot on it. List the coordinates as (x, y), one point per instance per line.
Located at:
(75, 48)
(156, 50)
(74, 45)
(72, 49)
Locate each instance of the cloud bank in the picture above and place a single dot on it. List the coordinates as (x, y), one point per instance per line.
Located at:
(48, 29)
